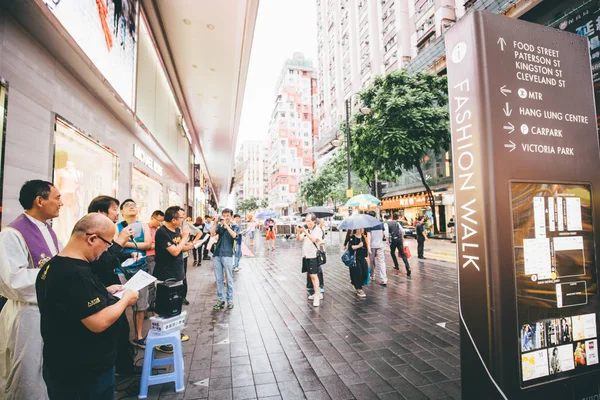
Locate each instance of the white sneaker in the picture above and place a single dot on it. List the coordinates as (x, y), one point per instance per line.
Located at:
(312, 297)
(361, 294)
(317, 301)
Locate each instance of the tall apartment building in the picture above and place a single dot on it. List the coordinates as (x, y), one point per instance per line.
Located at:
(293, 129)
(360, 39)
(251, 161)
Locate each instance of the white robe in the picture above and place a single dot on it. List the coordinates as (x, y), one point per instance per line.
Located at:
(20, 336)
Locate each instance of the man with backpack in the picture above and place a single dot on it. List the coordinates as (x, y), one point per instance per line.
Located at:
(396, 233)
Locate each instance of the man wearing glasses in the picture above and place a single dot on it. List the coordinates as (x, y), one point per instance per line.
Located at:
(136, 249)
(78, 310)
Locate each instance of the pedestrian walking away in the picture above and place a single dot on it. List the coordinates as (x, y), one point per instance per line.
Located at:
(396, 235)
(310, 235)
(223, 259)
(377, 251)
(421, 237)
(357, 245)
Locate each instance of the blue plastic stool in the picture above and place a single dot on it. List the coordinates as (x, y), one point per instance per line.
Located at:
(147, 379)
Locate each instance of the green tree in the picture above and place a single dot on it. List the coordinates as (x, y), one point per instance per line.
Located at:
(264, 203)
(409, 118)
(248, 205)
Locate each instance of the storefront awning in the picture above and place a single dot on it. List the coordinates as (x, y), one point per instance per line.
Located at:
(418, 199)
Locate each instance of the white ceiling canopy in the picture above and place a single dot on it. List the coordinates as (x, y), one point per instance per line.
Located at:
(209, 42)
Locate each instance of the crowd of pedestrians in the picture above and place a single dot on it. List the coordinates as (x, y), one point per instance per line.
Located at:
(55, 295)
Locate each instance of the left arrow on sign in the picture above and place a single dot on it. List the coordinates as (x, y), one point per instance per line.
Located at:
(510, 146)
(502, 43)
(504, 90)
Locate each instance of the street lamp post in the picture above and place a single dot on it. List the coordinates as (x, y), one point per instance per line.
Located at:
(338, 142)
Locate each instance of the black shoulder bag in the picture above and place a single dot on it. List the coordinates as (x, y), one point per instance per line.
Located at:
(321, 255)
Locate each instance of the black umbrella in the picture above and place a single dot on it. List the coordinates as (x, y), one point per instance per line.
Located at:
(320, 212)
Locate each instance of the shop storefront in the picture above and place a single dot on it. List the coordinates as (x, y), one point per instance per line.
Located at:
(3, 104)
(83, 169)
(147, 193)
(174, 198)
(411, 206)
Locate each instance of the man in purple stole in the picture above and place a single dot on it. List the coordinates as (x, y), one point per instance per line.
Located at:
(25, 245)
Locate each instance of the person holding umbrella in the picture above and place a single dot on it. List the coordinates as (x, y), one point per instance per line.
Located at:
(357, 245)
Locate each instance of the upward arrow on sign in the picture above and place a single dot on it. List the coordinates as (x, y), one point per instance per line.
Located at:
(502, 43)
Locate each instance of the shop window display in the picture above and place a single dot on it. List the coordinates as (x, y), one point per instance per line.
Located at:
(174, 199)
(83, 169)
(147, 193)
(3, 102)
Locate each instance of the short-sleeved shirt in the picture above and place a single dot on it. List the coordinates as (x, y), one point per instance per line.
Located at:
(167, 265)
(376, 236)
(152, 252)
(208, 226)
(224, 246)
(69, 291)
(138, 238)
(308, 248)
(238, 239)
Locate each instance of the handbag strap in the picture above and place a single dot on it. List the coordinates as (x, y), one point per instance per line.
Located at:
(317, 247)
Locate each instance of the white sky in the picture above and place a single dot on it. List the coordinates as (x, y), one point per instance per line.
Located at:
(282, 28)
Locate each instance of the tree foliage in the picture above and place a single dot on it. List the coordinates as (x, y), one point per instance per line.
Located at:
(248, 205)
(329, 182)
(409, 118)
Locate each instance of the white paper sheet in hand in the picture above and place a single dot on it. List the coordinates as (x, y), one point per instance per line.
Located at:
(139, 281)
(202, 241)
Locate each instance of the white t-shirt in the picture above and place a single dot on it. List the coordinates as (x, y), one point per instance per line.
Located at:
(308, 248)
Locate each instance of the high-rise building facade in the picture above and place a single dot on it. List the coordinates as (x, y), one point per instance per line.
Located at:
(360, 39)
(293, 130)
(251, 161)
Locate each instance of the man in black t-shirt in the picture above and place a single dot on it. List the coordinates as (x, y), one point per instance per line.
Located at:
(79, 316)
(170, 242)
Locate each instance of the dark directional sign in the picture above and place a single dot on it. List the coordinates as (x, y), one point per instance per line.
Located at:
(527, 190)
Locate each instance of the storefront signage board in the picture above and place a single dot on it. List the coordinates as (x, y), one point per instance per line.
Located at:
(145, 159)
(526, 162)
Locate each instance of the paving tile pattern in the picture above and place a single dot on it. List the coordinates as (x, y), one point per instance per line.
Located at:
(275, 345)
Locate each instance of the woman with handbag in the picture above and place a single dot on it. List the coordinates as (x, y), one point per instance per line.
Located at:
(310, 235)
(357, 246)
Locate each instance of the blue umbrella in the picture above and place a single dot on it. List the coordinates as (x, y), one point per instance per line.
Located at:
(266, 214)
(358, 221)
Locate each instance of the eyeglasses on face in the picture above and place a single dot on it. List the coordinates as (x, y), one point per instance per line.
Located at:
(131, 205)
(101, 238)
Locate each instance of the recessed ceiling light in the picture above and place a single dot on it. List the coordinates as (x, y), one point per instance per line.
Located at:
(194, 65)
(215, 97)
(210, 26)
(187, 21)
(213, 70)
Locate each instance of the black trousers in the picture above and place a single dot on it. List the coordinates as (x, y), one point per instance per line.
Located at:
(398, 245)
(420, 245)
(98, 387)
(197, 252)
(124, 361)
(185, 287)
(359, 272)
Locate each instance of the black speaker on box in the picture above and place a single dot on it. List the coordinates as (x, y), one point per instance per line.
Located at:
(169, 299)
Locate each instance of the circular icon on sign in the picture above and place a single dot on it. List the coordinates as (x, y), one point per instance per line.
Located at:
(524, 129)
(553, 276)
(534, 278)
(522, 93)
(459, 52)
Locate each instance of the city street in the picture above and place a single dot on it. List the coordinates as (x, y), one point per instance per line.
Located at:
(401, 342)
